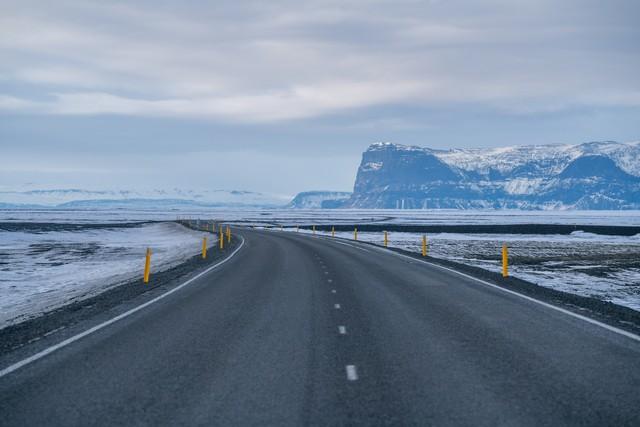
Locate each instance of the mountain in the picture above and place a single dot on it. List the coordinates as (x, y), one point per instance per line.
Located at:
(149, 199)
(319, 199)
(595, 175)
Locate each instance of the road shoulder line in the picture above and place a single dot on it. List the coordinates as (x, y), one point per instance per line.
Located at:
(70, 340)
(509, 291)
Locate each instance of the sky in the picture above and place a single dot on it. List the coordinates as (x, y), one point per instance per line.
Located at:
(283, 96)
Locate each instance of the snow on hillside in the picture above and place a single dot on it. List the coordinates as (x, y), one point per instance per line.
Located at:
(176, 196)
(550, 159)
(41, 270)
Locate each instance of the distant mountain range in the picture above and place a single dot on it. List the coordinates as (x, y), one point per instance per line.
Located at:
(595, 175)
(114, 199)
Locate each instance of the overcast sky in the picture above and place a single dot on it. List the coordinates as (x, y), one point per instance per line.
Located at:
(283, 97)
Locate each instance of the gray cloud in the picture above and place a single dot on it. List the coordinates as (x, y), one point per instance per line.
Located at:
(85, 82)
(282, 60)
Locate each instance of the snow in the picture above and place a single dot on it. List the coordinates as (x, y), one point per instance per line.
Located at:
(41, 270)
(523, 185)
(550, 158)
(329, 216)
(58, 197)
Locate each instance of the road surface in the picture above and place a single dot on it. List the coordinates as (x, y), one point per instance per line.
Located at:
(300, 330)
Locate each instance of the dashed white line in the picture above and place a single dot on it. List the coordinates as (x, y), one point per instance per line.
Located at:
(336, 306)
(352, 373)
(333, 291)
(329, 281)
(342, 330)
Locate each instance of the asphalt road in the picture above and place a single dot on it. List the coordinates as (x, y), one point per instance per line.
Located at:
(297, 330)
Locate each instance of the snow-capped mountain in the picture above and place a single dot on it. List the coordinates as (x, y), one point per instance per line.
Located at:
(81, 198)
(319, 199)
(594, 175)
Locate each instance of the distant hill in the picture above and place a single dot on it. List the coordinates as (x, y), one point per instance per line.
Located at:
(114, 199)
(595, 175)
(319, 199)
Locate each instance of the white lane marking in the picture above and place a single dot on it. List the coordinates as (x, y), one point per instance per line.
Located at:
(336, 306)
(89, 331)
(329, 280)
(333, 291)
(342, 330)
(528, 298)
(326, 272)
(351, 246)
(352, 373)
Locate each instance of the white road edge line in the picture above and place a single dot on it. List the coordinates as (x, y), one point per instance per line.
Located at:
(528, 298)
(342, 330)
(336, 306)
(49, 350)
(352, 373)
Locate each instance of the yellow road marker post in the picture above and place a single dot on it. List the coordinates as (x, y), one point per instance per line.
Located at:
(386, 240)
(424, 245)
(355, 233)
(221, 238)
(333, 232)
(505, 261)
(147, 266)
(204, 247)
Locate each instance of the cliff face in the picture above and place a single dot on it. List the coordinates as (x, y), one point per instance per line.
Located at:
(586, 176)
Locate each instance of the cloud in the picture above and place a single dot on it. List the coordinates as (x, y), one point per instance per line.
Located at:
(279, 61)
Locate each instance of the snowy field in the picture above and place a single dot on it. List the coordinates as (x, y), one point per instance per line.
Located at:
(330, 216)
(42, 269)
(604, 267)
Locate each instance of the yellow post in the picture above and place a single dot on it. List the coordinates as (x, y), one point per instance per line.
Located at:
(333, 232)
(424, 245)
(505, 261)
(355, 233)
(386, 240)
(221, 238)
(314, 229)
(147, 266)
(228, 234)
(204, 247)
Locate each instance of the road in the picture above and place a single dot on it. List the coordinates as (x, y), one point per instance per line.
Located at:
(300, 330)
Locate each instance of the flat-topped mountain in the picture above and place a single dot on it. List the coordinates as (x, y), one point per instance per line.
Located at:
(595, 175)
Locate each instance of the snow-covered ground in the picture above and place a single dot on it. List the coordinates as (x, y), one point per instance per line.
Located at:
(328, 216)
(604, 267)
(42, 269)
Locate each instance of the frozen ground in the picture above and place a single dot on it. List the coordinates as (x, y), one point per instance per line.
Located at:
(42, 269)
(330, 216)
(604, 267)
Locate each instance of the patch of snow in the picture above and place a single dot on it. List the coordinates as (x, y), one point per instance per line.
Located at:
(40, 271)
